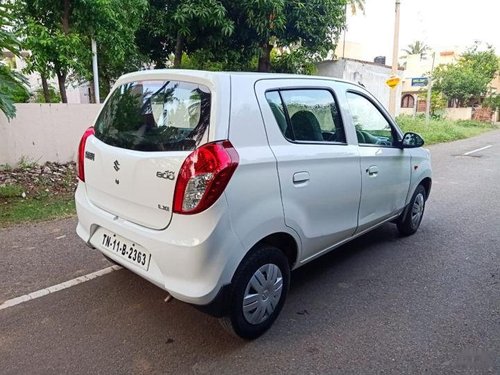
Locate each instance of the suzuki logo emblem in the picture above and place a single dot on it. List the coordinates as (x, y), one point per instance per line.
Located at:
(117, 165)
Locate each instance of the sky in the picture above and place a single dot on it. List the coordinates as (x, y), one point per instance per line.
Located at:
(441, 24)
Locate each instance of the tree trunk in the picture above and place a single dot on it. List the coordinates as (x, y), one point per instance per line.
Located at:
(61, 80)
(265, 58)
(179, 45)
(45, 88)
(65, 17)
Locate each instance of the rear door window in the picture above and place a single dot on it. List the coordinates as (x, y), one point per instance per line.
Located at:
(309, 115)
(155, 116)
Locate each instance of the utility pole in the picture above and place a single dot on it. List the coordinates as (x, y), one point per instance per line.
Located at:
(395, 53)
(429, 91)
(95, 71)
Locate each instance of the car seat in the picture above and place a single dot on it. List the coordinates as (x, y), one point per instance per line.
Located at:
(305, 127)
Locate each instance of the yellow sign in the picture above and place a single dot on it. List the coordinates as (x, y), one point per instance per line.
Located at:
(393, 81)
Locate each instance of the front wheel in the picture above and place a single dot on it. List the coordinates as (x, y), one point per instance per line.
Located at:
(409, 223)
(259, 290)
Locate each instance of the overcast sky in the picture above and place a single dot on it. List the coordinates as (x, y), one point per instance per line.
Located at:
(442, 24)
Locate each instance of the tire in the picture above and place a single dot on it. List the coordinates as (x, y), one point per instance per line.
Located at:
(409, 223)
(263, 278)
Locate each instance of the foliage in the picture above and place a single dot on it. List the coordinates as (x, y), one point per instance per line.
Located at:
(12, 84)
(296, 61)
(39, 97)
(439, 130)
(241, 34)
(12, 90)
(468, 80)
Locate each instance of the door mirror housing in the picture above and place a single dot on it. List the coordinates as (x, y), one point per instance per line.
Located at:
(412, 140)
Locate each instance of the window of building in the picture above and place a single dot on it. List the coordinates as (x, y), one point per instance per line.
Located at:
(407, 101)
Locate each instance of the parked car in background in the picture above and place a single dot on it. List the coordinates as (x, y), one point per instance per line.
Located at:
(214, 186)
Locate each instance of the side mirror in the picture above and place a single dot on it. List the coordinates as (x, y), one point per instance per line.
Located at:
(412, 140)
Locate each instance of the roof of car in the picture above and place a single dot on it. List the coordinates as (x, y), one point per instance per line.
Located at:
(213, 76)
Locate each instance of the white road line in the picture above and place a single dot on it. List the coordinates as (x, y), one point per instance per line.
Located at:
(478, 149)
(55, 288)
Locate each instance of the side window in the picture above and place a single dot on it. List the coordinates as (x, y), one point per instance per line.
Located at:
(307, 115)
(371, 126)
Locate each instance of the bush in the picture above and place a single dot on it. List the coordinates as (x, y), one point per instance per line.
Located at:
(54, 96)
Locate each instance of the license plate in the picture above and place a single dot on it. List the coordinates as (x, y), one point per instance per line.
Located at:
(121, 247)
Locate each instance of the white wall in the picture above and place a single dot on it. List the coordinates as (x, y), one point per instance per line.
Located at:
(44, 132)
(371, 75)
(458, 113)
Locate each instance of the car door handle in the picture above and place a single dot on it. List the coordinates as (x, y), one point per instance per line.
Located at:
(300, 177)
(372, 171)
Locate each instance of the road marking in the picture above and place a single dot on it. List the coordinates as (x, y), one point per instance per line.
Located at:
(56, 288)
(477, 150)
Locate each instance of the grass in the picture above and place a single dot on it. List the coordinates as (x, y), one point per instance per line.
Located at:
(15, 211)
(439, 131)
(11, 191)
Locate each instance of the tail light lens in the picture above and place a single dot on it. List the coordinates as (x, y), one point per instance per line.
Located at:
(81, 153)
(203, 177)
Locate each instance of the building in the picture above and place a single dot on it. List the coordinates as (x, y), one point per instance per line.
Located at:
(369, 74)
(414, 83)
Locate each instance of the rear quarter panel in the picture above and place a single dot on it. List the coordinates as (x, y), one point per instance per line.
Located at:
(253, 194)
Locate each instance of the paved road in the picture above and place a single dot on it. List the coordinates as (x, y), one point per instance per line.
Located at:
(382, 304)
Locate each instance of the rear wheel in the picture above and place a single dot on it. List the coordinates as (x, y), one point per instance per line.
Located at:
(409, 223)
(259, 290)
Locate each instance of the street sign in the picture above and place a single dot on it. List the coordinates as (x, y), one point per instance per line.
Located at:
(393, 81)
(420, 81)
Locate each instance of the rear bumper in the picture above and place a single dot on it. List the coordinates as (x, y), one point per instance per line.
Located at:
(192, 259)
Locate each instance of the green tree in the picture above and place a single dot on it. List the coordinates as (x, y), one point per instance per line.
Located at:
(12, 84)
(311, 27)
(173, 27)
(468, 81)
(48, 27)
(58, 33)
(417, 48)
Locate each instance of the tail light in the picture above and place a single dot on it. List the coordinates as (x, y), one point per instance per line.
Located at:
(203, 177)
(81, 153)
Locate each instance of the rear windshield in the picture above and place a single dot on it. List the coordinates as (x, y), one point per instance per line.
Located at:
(155, 116)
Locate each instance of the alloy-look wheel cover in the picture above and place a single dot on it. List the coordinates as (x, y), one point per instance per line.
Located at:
(262, 294)
(417, 210)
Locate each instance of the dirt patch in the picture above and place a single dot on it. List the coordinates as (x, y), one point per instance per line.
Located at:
(34, 180)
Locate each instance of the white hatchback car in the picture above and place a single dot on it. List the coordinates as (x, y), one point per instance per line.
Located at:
(214, 186)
